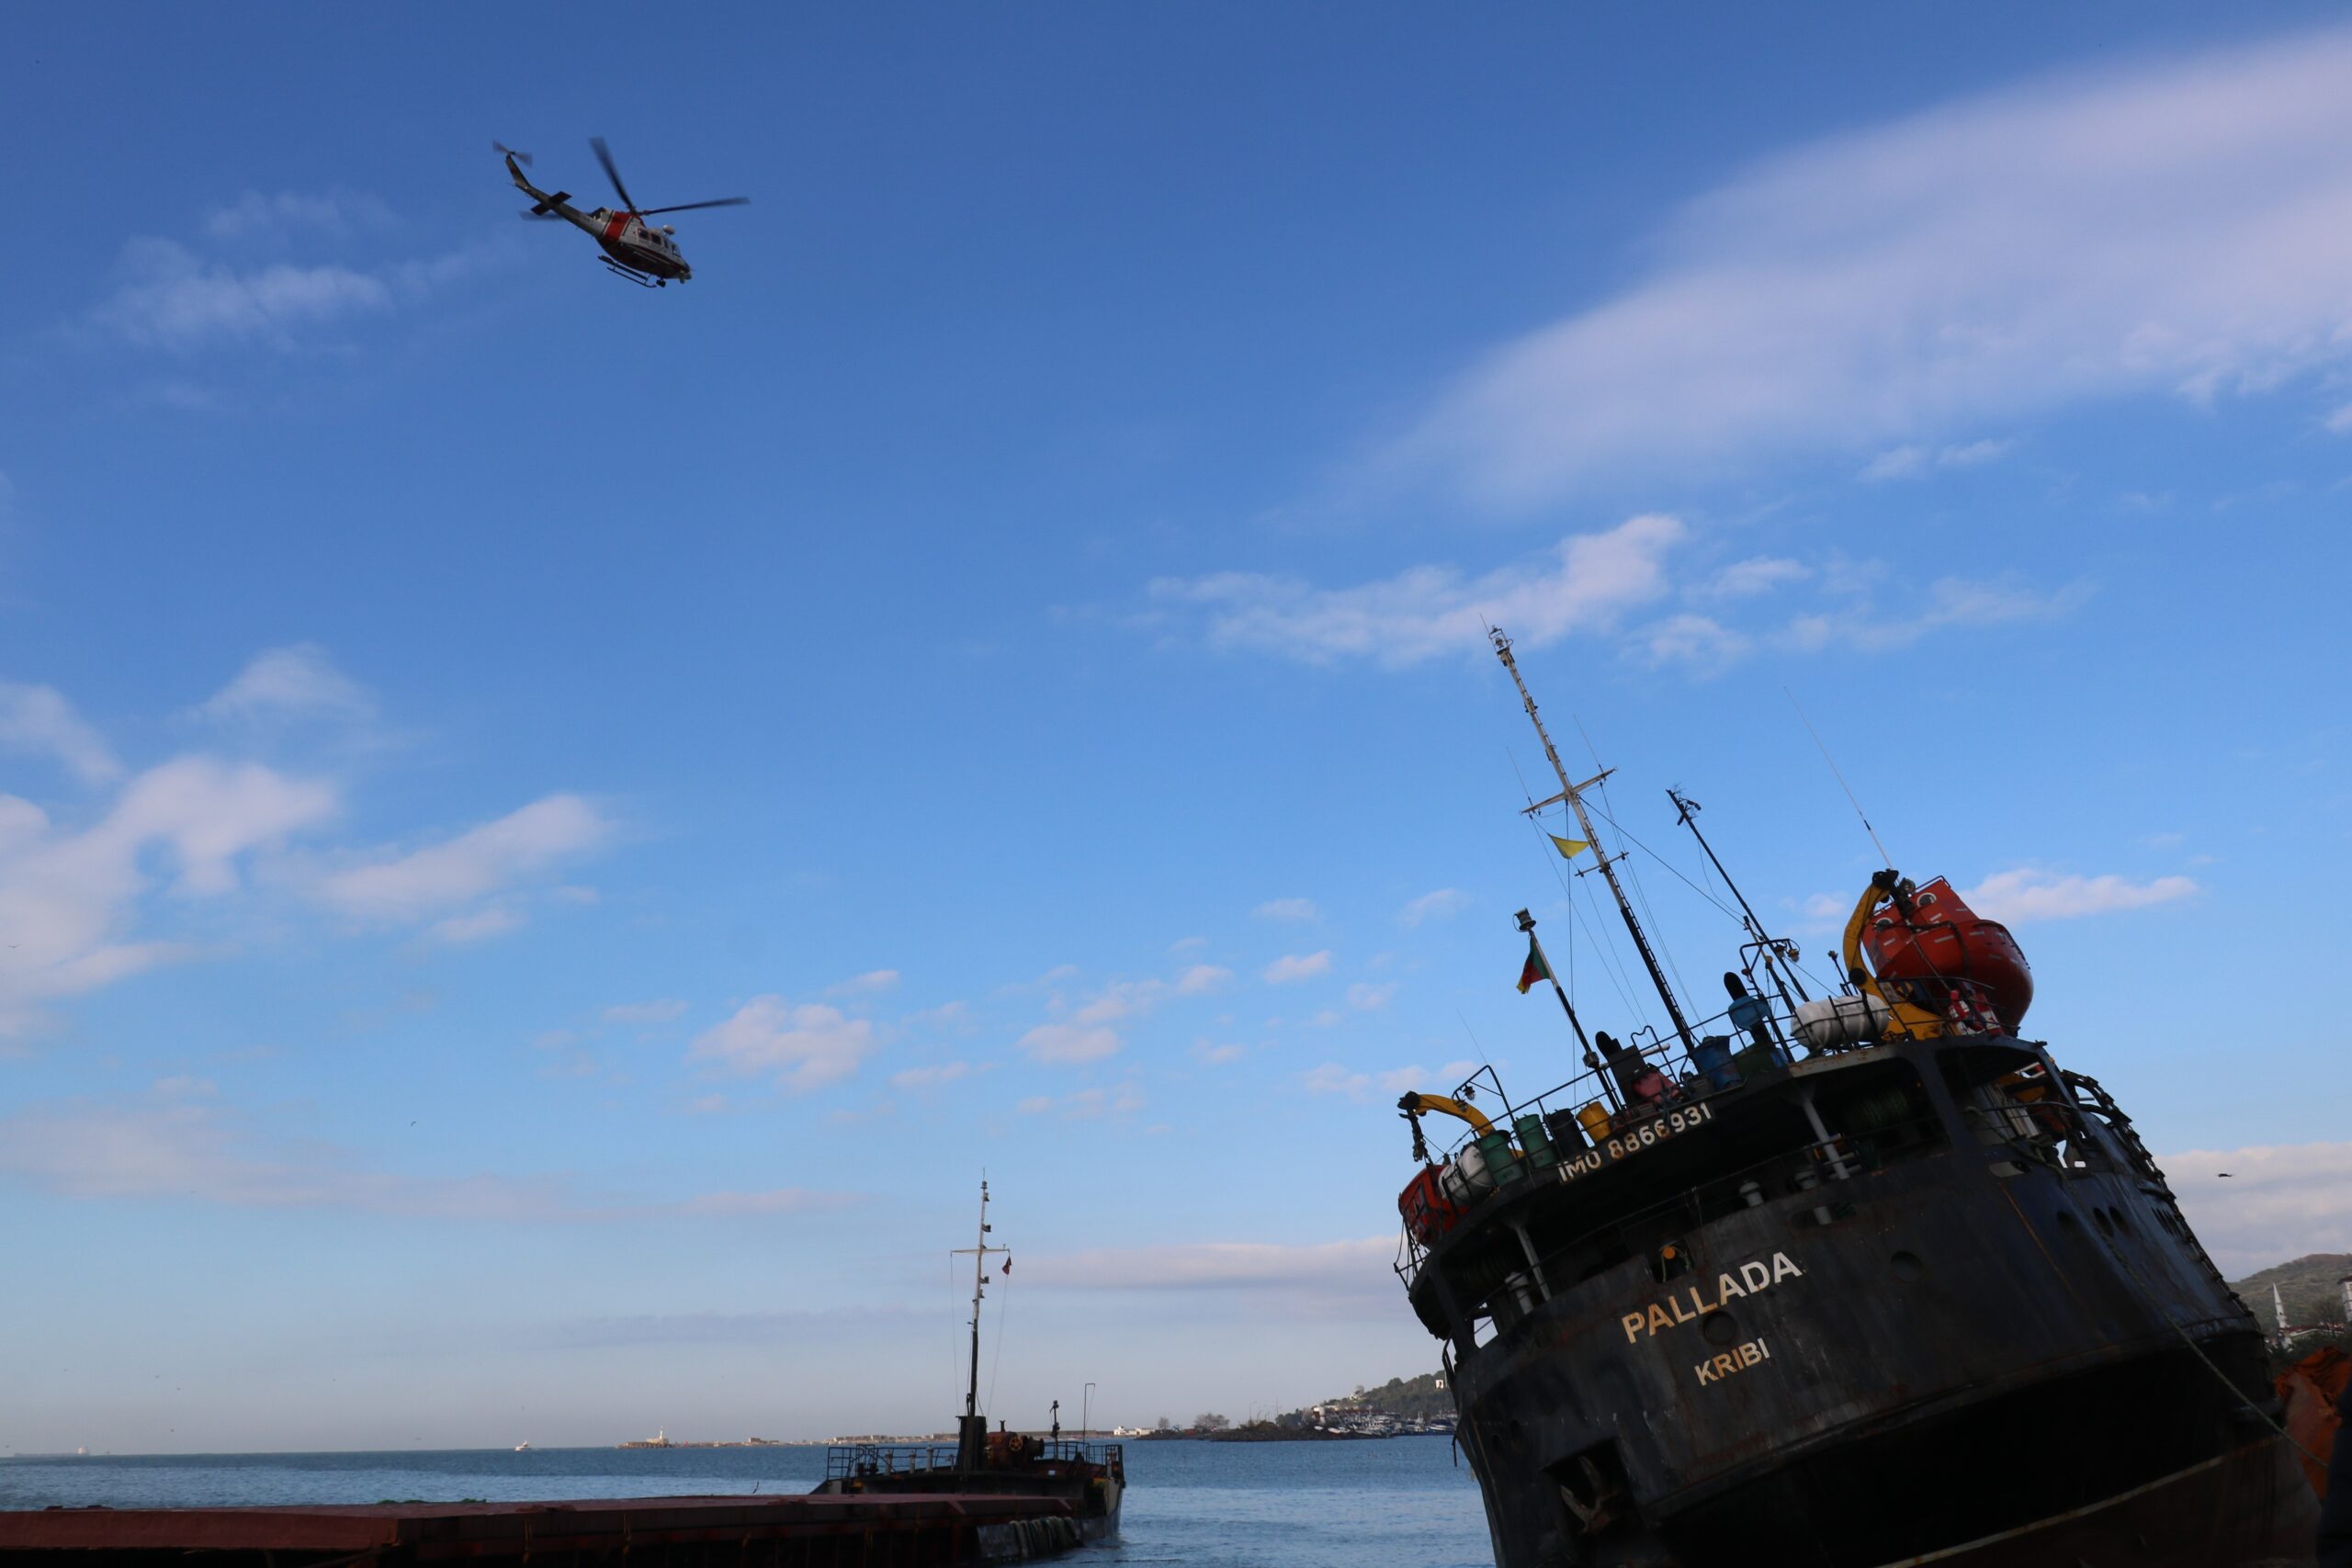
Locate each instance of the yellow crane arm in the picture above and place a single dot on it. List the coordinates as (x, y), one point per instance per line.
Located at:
(1916, 1021)
(1414, 1104)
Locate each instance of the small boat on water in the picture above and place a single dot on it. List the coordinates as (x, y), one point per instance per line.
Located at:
(1089, 1476)
(523, 1446)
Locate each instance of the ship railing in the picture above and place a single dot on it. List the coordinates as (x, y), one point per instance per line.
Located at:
(1815, 1168)
(846, 1462)
(1601, 1101)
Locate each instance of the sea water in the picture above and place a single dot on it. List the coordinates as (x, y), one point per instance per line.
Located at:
(1393, 1502)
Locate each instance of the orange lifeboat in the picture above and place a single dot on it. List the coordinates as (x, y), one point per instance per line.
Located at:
(1926, 943)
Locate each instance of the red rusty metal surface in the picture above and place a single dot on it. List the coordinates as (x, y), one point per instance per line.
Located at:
(493, 1530)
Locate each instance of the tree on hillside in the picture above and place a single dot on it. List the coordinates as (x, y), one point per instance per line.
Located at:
(1163, 1424)
(1210, 1423)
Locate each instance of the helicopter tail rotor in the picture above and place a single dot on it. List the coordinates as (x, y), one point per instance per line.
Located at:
(522, 158)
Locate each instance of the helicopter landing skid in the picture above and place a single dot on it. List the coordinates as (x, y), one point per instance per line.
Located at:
(641, 279)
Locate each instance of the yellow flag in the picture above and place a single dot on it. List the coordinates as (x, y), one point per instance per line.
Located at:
(1570, 848)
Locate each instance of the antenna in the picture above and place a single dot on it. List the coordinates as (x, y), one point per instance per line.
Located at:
(1884, 858)
(1573, 795)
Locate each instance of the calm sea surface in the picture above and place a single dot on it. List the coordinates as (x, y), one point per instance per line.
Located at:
(1396, 1502)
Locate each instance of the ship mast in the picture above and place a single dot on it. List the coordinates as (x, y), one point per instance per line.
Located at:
(1573, 795)
(972, 1431)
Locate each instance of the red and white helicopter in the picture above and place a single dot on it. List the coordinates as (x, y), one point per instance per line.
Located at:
(644, 254)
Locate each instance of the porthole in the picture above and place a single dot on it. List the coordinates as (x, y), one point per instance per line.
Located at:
(2106, 1225)
(1907, 1265)
(1718, 1328)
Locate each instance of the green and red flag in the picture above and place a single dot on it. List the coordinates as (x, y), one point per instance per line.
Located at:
(1536, 968)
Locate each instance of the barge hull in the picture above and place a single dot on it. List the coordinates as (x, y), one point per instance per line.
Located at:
(784, 1531)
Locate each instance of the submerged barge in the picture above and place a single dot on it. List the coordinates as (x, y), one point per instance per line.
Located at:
(1860, 1279)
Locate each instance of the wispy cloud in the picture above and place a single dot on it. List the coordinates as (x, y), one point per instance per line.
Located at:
(936, 1076)
(296, 682)
(1442, 904)
(2278, 1202)
(1350, 1277)
(1288, 909)
(1586, 583)
(479, 925)
(187, 1148)
(37, 721)
(1066, 1043)
(2181, 227)
(1911, 462)
(481, 861)
(171, 298)
(1299, 966)
(871, 983)
(253, 216)
(803, 1048)
(2031, 894)
(70, 900)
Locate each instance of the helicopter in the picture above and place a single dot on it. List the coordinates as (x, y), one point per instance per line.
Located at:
(645, 253)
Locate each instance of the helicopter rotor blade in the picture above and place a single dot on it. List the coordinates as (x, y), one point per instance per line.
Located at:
(605, 156)
(522, 158)
(691, 206)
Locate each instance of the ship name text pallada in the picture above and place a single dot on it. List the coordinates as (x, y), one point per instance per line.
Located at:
(1746, 1280)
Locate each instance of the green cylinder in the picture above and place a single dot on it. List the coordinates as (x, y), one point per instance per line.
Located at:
(1536, 1141)
(1502, 1160)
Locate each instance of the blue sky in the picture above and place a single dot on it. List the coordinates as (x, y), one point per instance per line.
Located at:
(547, 834)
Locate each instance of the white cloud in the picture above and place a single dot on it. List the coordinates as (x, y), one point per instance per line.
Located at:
(1216, 1055)
(1069, 1043)
(1588, 582)
(2182, 226)
(1371, 998)
(1334, 1079)
(2280, 1202)
(1442, 904)
(1699, 641)
(641, 1013)
(37, 720)
(297, 681)
(1288, 909)
(1908, 462)
(1202, 979)
(1299, 966)
(479, 926)
(804, 1047)
(1746, 579)
(2030, 893)
(171, 299)
(1086, 1104)
(475, 862)
(1948, 601)
(69, 899)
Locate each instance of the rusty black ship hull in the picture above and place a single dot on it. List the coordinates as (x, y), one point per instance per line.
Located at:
(1864, 1309)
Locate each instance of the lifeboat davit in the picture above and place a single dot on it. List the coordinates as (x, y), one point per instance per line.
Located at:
(1924, 942)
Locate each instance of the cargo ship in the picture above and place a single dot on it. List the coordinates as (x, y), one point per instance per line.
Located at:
(1090, 1477)
(1843, 1276)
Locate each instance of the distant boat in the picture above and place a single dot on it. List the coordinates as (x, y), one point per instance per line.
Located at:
(522, 1448)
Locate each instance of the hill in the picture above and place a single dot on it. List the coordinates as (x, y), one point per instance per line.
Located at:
(1408, 1398)
(2308, 1286)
